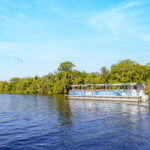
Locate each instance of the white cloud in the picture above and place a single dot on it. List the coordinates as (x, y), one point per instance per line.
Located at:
(119, 19)
(10, 46)
(133, 3)
(146, 38)
(34, 52)
(11, 50)
(22, 16)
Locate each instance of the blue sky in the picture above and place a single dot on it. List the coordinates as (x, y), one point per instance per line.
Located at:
(89, 33)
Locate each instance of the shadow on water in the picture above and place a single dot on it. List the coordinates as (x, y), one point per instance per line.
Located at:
(65, 120)
(63, 109)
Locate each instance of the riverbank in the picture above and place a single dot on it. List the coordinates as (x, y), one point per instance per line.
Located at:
(125, 71)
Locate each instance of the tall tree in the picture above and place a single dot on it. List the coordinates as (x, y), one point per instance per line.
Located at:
(104, 74)
(65, 69)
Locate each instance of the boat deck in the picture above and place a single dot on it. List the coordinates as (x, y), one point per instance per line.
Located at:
(109, 98)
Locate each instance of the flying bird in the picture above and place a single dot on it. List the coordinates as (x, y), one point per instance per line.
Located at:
(18, 59)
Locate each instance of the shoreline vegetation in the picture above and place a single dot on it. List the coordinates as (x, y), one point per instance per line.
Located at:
(125, 71)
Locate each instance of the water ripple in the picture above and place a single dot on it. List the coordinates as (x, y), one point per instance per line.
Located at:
(51, 122)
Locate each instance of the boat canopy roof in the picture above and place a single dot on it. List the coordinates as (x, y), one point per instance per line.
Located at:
(123, 84)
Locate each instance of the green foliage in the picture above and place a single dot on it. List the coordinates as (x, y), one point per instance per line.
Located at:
(126, 71)
(66, 66)
(104, 75)
(148, 64)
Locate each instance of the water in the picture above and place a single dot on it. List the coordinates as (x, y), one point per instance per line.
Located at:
(51, 122)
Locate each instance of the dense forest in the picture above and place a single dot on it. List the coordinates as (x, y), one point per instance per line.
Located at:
(125, 71)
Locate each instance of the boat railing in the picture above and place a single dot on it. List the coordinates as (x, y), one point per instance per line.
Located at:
(96, 90)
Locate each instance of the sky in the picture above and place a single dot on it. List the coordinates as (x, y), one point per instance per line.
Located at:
(89, 33)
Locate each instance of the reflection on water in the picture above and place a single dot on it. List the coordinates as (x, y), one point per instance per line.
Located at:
(52, 122)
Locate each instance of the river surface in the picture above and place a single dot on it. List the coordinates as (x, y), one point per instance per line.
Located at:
(52, 122)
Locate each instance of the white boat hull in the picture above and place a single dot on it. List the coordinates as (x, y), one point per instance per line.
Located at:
(108, 98)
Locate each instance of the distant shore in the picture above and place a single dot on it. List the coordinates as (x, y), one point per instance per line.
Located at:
(125, 71)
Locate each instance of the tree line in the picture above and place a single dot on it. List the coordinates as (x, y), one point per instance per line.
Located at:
(125, 71)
